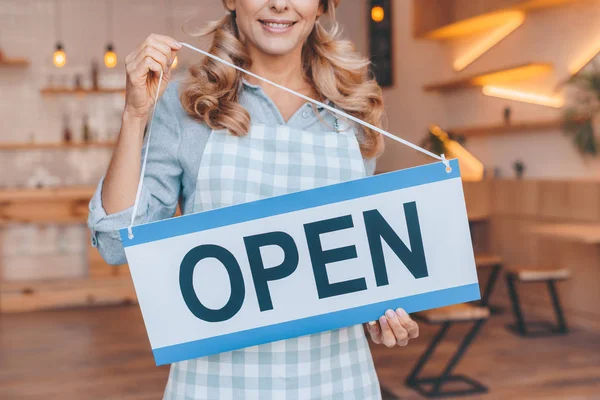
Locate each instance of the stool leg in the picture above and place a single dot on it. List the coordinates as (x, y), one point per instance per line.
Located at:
(489, 287)
(562, 325)
(457, 356)
(412, 377)
(516, 306)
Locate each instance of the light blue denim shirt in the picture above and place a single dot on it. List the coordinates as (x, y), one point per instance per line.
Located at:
(176, 148)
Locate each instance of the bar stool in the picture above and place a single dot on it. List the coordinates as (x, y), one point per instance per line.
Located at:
(494, 263)
(549, 276)
(448, 316)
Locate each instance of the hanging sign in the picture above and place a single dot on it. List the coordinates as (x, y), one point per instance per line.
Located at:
(302, 263)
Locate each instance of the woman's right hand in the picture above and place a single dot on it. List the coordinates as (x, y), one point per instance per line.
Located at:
(143, 67)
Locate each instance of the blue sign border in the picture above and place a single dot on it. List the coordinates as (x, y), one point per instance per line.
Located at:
(301, 200)
(318, 323)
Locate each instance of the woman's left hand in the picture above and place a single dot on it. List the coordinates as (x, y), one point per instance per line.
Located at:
(393, 328)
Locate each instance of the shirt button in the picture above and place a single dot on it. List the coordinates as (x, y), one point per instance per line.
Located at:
(94, 242)
(305, 114)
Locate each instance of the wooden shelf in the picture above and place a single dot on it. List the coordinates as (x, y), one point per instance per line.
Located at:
(80, 92)
(55, 146)
(14, 62)
(451, 19)
(493, 77)
(514, 127)
(69, 193)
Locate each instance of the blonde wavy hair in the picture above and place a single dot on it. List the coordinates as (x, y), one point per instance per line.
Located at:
(337, 72)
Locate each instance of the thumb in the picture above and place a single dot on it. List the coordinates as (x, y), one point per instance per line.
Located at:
(167, 75)
(374, 331)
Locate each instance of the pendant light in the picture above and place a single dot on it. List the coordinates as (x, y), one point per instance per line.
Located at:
(59, 58)
(110, 57)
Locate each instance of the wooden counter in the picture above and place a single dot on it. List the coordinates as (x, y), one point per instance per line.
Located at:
(551, 224)
(52, 205)
(103, 283)
(579, 233)
(533, 222)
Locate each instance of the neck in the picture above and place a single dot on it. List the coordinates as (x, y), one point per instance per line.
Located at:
(285, 70)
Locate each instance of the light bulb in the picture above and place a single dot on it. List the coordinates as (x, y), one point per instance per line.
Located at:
(110, 57)
(175, 62)
(377, 14)
(59, 58)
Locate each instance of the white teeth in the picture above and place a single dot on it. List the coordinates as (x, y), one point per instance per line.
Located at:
(276, 25)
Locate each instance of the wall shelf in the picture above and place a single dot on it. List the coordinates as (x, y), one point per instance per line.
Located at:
(513, 127)
(80, 92)
(450, 19)
(14, 62)
(68, 205)
(55, 146)
(494, 77)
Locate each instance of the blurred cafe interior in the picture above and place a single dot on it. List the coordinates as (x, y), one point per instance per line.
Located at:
(509, 87)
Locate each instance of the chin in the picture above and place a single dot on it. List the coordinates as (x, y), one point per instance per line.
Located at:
(273, 49)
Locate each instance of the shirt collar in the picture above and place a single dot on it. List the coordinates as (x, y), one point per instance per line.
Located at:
(253, 87)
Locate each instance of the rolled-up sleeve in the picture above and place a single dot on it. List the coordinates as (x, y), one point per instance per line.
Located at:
(160, 190)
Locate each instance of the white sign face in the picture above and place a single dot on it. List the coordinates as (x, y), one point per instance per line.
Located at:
(301, 263)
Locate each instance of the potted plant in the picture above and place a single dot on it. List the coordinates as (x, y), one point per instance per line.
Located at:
(437, 140)
(440, 142)
(519, 167)
(582, 119)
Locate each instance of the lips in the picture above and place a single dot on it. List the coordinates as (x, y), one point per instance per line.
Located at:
(277, 24)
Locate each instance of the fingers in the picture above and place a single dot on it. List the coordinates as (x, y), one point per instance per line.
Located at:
(164, 44)
(411, 326)
(160, 40)
(400, 333)
(374, 331)
(394, 328)
(140, 73)
(160, 46)
(387, 335)
(161, 49)
(154, 54)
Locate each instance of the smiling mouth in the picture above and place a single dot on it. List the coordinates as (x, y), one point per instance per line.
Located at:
(277, 24)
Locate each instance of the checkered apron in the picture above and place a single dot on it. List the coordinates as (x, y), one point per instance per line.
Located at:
(272, 161)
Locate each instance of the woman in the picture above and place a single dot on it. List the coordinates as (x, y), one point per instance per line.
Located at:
(222, 139)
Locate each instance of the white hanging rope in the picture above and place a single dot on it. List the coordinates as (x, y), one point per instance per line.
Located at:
(333, 110)
(142, 172)
(327, 107)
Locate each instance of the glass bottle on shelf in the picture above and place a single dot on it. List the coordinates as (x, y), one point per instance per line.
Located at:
(67, 134)
(86, 130)
(95, 71)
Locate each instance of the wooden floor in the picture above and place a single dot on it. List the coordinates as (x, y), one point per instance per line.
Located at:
(103, 353)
